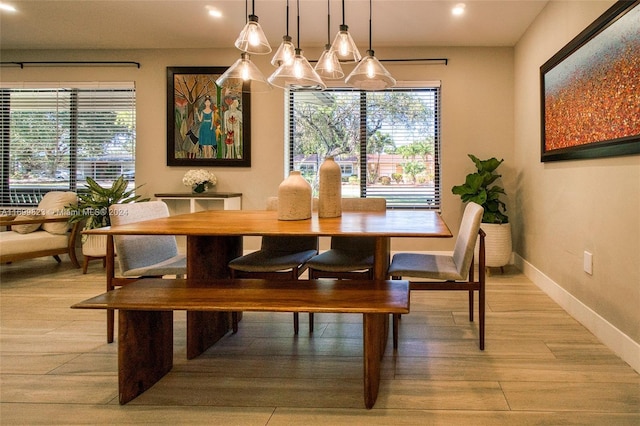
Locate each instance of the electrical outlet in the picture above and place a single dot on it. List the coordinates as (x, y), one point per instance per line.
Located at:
(588, 263)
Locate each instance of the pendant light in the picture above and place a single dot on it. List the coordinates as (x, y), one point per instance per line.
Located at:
(299, 73)
(369, 74)
(328, 65)
(287, 50)
(244, 76)
(252, 38)
(343, 45)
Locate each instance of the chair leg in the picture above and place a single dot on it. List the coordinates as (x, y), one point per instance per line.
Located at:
(471, 305)
(110, 321)
(85, 264)
(481, 314)
(234, 322)
(310, 322)
(396, 325)
(296, 323)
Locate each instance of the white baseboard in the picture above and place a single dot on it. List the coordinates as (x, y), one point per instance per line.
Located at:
(608, 334)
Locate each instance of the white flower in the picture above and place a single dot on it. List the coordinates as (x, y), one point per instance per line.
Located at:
(197, 177)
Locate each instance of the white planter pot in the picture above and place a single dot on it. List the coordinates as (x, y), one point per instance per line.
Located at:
(497, 244)
(95, 246)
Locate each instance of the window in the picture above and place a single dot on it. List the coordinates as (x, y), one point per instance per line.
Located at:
(55, 137)
(387, 143)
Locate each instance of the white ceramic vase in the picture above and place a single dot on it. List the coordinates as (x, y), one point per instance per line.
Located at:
(294, 198)
(330, 191)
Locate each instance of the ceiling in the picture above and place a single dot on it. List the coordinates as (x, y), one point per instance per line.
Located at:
(147, 24)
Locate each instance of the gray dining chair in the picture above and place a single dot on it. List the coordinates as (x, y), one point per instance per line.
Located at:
(451, 271)
(279, 257)
(348, 257)
(142, 256)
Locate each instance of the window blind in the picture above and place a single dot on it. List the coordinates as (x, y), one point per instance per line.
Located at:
(53, 138)
(387, 143)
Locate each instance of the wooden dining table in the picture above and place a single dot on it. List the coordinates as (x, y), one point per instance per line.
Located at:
(215, 237)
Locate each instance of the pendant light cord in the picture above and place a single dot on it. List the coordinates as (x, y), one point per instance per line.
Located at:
(370, 15)
(342, 12)
(328, 21)
(287, 18)
(298, 21)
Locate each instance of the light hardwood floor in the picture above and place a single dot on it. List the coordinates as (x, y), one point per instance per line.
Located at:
(540, 366)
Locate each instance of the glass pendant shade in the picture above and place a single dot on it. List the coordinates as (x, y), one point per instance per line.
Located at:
(328, 65)
(344, 46)
(285, 52)
(252, 39)
(244, 76)
(298, 74)
(369, 74)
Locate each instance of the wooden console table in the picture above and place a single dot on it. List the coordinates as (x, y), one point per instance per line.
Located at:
(204, 201)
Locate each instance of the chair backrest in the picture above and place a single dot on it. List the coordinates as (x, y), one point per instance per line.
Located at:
(361, 244)
(364, 204)
(287, 244)
(138, 251)
(466, 241)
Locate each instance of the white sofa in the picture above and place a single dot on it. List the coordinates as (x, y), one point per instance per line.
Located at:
(41, 231)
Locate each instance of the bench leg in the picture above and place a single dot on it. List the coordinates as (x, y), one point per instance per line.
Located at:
(145, 350)
(375, 327)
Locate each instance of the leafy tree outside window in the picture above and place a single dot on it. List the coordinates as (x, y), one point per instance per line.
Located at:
(388, 140)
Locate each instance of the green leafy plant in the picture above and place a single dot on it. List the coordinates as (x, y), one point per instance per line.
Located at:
(477, 188)
(93, 204)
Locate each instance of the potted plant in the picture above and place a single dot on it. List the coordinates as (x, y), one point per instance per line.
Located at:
(93, 208)
(479, 187)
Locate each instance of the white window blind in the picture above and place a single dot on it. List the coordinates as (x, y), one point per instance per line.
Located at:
(387, 143)
(55, 136)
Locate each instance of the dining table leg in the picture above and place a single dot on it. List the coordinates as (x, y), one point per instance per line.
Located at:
(381, 260)
(207, 258)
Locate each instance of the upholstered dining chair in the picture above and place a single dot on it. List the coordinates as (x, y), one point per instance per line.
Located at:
(348, 257)
(451, 272)
(279, 257)
(142, 256)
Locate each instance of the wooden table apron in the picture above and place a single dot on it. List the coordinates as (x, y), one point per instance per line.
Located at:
(214, 237)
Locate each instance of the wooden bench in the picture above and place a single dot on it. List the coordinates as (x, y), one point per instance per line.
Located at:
(145, 319)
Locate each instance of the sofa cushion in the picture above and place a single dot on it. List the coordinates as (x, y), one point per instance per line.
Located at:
(14, 243)
(29, 227)
(53, 204)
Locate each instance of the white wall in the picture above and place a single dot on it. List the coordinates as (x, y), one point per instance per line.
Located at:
(568, 207)
(477, 99)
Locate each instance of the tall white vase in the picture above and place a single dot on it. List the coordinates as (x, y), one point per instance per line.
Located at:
(294, 198)
(330, 193)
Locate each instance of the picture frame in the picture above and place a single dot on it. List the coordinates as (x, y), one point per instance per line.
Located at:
(590, 99)
(207, 125)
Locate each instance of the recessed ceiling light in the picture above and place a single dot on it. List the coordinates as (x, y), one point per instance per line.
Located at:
(7, 7)
(458, 9)
(214, 12)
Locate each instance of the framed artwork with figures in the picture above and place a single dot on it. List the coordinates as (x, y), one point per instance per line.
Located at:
(207, 125)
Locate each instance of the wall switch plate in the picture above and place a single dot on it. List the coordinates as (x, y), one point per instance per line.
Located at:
(588, 263)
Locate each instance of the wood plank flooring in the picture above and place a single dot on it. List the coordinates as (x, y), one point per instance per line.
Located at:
(540, 366)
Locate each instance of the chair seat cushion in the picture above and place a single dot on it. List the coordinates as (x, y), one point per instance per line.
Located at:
(12, 242)
(271, 260)
(176, 265)
(341, 261)
(434, 266)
